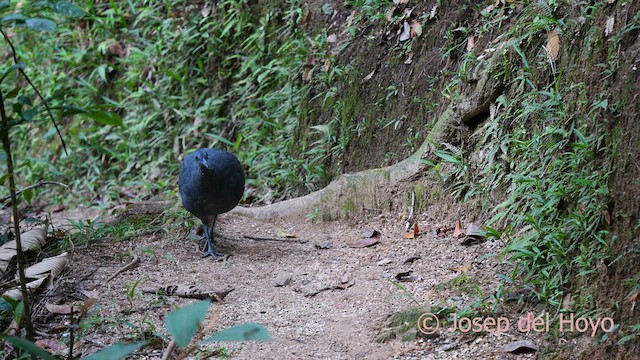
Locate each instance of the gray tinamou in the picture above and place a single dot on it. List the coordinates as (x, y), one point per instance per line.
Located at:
(211, 182)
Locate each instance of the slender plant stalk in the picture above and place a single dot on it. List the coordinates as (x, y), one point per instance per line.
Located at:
(46, 104)
(6, 144)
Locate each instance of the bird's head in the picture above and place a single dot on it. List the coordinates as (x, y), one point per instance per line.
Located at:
(202, 160)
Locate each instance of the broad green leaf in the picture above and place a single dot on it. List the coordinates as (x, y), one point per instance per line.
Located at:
(12, 68)
(13, 93)
(116, 351)
(106, 117)
(67, 8)
(220, 138)
(29, 114)
(101, 116)
(4, 4)
(40, 24)
(18, 311)
(446, 157)
(172, 74)
(248, 331)
(17, 17)
(28, 195)
(102, 72)
(183, 323)
(24, 100)
(29, 347)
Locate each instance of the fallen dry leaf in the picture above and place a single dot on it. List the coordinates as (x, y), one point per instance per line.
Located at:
(284, 234)
(607, 217)
(521, 347)
(471, 43)
(475, 229)
(389, 14)
(369, 233)
(416, 29)
(369, 76)
(434, 9)
(90, 294)
(188, 291)
(327, 65)
(413, 233)
(457, 232)
(308, 68)
(406, 32)
(462, 269)
(32, 286)
(61, 309)
(568, 302)
(50, 266)
(305, 16)
(53, 346)
(608, 29)
(366, 242)
(31, 240)
(409, 59)
(553, 45)
(475, 233)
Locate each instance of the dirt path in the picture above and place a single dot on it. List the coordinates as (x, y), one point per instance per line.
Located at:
(332, 324)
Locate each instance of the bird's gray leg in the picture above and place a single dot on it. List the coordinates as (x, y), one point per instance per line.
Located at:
(208, 231)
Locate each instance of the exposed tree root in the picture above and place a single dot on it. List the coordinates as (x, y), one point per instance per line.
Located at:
(353, 194)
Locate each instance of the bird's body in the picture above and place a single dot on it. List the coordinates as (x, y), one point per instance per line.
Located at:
(211, 182)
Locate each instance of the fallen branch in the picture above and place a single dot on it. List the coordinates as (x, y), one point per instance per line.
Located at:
(33, 186)
(300, 241)
(133, 263)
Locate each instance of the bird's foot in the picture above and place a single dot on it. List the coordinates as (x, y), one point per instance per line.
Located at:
(214, 255)
(210, 251)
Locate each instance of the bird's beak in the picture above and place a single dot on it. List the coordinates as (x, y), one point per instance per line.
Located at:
(203, 162)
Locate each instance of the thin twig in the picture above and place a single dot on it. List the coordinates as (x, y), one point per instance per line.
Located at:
(133, 263)
(410, 221)
(169, 350)
(32, 186)
(300, 241)
(72, 326)
(6, 144)
(203, 331)
(46, 104)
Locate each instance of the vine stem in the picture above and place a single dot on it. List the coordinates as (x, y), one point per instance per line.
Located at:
(6, 144)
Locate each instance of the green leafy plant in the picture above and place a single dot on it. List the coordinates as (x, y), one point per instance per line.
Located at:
(183, 324)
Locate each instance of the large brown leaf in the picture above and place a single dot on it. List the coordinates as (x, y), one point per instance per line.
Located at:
(31, 240)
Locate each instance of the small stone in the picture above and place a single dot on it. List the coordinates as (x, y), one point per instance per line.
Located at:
(324, 245)
(411, 259)
(282, 279)
(345, 278)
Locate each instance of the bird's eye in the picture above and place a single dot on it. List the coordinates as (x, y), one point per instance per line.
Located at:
(197, 158)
